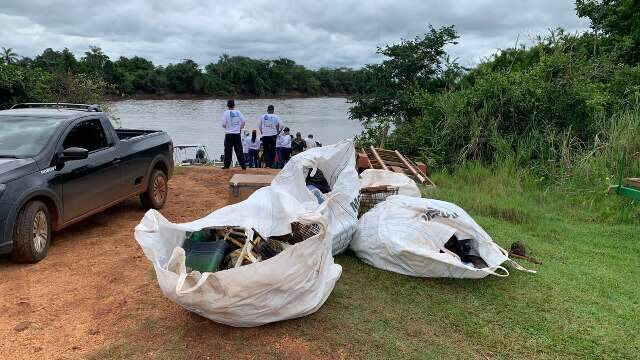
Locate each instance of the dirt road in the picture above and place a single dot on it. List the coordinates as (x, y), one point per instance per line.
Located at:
(95, 295)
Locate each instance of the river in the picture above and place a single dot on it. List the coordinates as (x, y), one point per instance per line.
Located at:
(198, 121)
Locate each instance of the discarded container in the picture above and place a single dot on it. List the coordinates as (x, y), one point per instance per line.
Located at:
(204, 256)
(372, 196)
(241, 186)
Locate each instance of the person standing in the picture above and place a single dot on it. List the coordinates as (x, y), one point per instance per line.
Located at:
(285, 146)
(233, 122)
(270, 126)
(245, 147)
(277, 162)
(254, 149)
(298, 145)
(311, 143)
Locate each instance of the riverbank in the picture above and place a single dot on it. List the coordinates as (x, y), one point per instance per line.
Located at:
(177, 96)
(96, 296)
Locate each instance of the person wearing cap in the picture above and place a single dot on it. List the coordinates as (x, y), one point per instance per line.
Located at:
(270, 126)
(284, 140)
(233, 122)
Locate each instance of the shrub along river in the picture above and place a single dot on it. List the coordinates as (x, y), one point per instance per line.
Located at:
(198, 121)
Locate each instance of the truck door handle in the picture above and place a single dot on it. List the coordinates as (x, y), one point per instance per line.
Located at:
(116, 161)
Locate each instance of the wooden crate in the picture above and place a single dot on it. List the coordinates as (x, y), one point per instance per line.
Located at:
(241, 186)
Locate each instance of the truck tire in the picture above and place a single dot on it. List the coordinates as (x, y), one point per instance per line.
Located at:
(157, 191)
(32, 233)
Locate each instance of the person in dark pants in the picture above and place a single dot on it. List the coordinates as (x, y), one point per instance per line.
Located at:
(270, 126)
(284, 140)
(254, 150)
(233, 121)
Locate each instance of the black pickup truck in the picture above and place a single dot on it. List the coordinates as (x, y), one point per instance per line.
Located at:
(60, 163)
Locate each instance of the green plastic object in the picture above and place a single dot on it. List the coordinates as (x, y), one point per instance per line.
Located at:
(628, 191)
(202, 235)
(205, 256)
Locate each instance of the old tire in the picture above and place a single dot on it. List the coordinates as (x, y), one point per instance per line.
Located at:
(157, 191)
(32, 233)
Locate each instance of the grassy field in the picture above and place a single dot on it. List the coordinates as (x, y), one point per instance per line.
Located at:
(584, 302)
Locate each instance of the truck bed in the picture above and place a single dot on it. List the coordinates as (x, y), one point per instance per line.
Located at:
(126, 134)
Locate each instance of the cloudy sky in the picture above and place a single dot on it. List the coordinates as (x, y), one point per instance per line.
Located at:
(315, 33)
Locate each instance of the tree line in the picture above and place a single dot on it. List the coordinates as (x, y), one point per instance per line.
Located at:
(229, 75)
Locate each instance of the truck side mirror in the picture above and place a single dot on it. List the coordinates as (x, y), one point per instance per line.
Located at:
(74, 153)
(71, 154)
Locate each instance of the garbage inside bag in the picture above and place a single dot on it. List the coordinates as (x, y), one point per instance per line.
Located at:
(318, 181)
(210, 249)
(379, 177)
(429, 238)
(204, 256)
(317, 193)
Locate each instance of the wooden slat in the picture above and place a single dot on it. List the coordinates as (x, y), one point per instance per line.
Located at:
(375, 154)
(413, 171)
(421, 172)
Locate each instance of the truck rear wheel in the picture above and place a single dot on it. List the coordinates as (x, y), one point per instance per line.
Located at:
(32, 233)
(157, 191)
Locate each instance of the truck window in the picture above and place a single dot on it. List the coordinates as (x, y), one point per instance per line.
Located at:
(87, 134)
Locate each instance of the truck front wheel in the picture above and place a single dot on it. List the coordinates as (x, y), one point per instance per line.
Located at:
(157, 191)
(32, 233)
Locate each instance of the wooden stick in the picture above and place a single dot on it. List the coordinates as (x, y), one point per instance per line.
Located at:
(382, 164)
(530, 259)
(406, 163)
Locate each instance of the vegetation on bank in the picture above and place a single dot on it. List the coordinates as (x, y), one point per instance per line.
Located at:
(563, 108)
(230, 75)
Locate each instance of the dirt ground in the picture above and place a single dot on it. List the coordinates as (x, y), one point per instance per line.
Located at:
(96, 296)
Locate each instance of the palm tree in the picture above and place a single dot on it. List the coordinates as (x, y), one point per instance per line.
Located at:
(8, 56)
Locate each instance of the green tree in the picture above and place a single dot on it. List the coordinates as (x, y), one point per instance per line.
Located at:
(181, 77)
(409, 66)
(95, 62)
(9, 56)
(56, 61)
(619, 20)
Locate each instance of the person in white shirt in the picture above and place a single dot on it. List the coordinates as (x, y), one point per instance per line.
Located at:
(311, 143)
(233, 122)
(245, 145)
(270, 126)
(254, 149)
(284, 139)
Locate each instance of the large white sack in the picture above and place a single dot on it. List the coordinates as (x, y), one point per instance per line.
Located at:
(405, 235)
(294, 283)
(338, 164)
(379, 177)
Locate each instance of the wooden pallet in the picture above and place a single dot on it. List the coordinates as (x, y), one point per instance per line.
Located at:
(391, 160)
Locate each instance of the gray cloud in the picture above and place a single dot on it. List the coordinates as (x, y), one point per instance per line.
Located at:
(314, 33)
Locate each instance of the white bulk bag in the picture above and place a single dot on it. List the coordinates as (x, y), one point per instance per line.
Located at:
(379, 177)
(406, 235)
(294, 283)
(338, 164)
